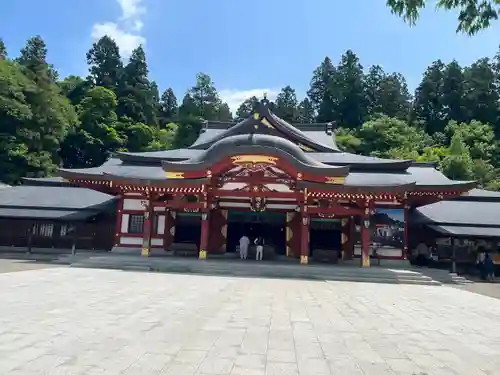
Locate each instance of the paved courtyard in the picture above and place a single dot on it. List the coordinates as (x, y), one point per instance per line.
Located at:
(83, 321)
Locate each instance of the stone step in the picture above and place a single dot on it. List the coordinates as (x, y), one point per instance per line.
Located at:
(251, 270)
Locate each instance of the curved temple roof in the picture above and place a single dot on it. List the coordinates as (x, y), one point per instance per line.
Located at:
(264, 121)
(312, 160)
(257, 144)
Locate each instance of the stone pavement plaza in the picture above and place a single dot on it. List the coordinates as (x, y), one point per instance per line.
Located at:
(84, 321)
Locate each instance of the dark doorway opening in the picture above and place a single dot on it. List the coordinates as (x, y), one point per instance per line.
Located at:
(325, 234)
(188, 228)
(269, 225)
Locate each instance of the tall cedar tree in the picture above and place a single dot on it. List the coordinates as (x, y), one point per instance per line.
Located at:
(168, 106)
(453, 93)
(481, 96)
(348, 92)
(428, 108)
(105, 64)
(305, 112)
(320, 92)
(206, 101)
(136, 94)
(53, 115)
(286, 104)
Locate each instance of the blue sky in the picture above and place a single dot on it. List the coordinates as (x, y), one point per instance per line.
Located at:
(246, 47)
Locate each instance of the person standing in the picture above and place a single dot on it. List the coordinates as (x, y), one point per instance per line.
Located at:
(489, 268)
(244, 243)
(259, 242)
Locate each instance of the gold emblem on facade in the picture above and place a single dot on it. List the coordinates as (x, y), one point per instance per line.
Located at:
(174, 174)
(335, 180)
(254, 159)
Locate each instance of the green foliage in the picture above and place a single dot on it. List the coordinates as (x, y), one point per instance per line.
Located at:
(473, 15)
(453, 119)
(286, 104)
(389, 137)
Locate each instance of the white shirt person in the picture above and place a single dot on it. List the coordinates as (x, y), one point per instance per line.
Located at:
(244, 243)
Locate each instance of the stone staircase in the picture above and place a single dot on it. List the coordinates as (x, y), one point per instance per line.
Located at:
(250, 268)
(444, 276)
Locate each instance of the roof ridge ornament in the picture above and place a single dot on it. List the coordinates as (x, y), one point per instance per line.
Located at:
(264, 100)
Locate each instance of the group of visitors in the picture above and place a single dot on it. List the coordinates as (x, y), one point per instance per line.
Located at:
(245, 243)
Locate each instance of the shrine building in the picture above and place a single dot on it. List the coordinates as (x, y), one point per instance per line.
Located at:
(262, 176)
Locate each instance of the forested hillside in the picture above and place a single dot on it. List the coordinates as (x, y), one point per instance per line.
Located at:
(452, 118)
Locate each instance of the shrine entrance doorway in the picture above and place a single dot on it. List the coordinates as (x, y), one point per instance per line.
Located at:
(269, 225)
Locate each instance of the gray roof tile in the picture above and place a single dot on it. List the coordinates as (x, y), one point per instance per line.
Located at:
(69, 198)
(460, 213)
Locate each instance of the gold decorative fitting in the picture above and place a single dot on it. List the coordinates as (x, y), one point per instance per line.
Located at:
(304, 259)
(174, 174)
(202, 254)
(256, 116)
(266, 123)
(335, 180)
(254, 159)
(145, 252)
(305, 148)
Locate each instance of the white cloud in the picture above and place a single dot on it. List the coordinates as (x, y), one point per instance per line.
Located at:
(125, 31)
(234, 98)
(131, 9)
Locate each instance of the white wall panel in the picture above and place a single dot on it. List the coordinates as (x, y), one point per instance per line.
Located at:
(132, 204)
(124, 227)
(161, 224)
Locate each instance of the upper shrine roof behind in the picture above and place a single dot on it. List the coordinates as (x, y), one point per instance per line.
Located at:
(314, 141)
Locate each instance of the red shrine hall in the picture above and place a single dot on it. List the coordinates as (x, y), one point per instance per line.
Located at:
(290, 184)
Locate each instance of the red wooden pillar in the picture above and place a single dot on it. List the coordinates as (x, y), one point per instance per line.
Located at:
(365, 238)
(347, 242)
(148, 226)
(205, 229)
(304, 239)
(404, 255)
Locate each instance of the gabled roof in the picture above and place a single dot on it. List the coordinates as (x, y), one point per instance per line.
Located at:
(265, 122)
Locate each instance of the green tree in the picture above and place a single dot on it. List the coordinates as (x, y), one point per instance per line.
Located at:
(205, 98)
(478, 137)
(305, 112)
(106, 67)
(473, 15)
(381, 136)
(3, 50)
(247, 107)
(347, 91)
(286, 104)
(320, 93)
(386, 94)
(427, 106)
(74, 88)
(453, 93)
(53, 115)
(15, 113)
(169, 108)
(457, 165)
(481, 95)
(91, 144)
(136, 94)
